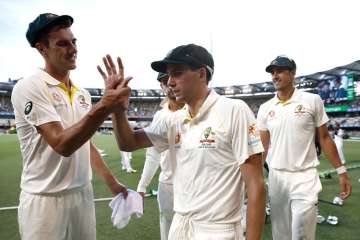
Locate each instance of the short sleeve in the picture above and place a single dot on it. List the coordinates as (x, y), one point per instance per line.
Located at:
(158, 130)
(320, 115)
(261, 119)
(246, 138)
(33, 104)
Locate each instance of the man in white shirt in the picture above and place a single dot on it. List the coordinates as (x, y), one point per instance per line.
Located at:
(154, 159)
(55, 122)
(288, 123)
(214, 148)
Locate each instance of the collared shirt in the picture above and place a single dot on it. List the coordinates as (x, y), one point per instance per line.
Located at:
(155, 158)
(41, 99)
(206, 152)
(292, 125)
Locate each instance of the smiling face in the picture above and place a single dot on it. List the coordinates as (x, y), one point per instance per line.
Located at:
(59, 49)
(283, 79)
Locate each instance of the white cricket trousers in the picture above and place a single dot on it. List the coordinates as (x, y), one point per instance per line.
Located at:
(184, 228)
(293, 200)
(166, 208)
(59, 216)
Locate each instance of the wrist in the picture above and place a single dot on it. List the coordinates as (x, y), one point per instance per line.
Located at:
(341, 170)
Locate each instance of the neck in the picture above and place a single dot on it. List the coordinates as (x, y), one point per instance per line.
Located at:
(285, 94)
(60, 75)
(175, 105)
(197, 101)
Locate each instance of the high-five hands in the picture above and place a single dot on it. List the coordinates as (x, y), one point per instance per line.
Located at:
(117, 91)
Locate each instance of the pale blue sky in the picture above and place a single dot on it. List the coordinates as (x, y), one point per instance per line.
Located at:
(244, 36)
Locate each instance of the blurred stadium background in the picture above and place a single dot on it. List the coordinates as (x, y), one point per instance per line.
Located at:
(338, 87)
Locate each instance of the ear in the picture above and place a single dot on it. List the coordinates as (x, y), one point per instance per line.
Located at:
(42, 49)
(202, 72)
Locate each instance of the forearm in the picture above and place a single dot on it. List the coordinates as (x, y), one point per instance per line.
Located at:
(150, 167)
(127, 139)
(255, 210)
(329, 148)
(67, 141)
(100, 168)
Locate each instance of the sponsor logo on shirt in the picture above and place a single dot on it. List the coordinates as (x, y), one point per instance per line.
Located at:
(28, 107)
(253, 133)
(82, 101)
(207, 139)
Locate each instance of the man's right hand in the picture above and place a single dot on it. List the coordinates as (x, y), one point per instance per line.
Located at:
(117, 91)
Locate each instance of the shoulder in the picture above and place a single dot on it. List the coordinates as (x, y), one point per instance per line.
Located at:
(231, 104)
(31, 85)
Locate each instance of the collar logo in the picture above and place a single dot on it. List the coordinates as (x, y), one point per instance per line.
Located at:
(207, 139)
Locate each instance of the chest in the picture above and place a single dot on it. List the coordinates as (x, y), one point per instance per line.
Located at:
(295, 117)
(70, 108)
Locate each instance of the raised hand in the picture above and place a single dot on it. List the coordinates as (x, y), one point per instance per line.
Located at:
(117, 92)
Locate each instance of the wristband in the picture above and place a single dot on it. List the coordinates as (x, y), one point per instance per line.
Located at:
(341, 170)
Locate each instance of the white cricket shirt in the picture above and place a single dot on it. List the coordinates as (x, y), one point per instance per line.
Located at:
(41, 99)
(206, 153)
(292, 127)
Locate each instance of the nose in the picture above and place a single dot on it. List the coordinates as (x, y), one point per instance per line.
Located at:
(72, 47)
(171, 81)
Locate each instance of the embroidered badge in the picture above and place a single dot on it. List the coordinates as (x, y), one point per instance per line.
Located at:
(82, 101)
(253, 133)
(207, 139)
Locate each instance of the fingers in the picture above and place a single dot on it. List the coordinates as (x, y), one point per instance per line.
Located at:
(107, 66)
(111, 64)
(103, 75)
(346, 190)
(126, 81)
(121, 67)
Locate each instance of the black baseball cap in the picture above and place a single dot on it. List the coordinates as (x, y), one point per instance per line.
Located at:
(43, 22)
(161, 76)
(282, 62)
(192, 55)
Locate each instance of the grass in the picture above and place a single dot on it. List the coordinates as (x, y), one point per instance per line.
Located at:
(147, 227)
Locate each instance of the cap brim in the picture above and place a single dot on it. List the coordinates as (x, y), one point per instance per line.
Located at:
(271, 67)
(160, 66)
(66, 19)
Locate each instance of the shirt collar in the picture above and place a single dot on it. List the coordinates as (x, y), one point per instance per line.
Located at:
(52, 81)
(205, 107)
(294, 97)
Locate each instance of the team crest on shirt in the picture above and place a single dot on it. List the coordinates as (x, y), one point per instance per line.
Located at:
(207, 139)
(82, 102)
(253, 133)
(299, 110)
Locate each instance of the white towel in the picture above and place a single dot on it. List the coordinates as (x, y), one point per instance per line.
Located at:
(122, 209)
